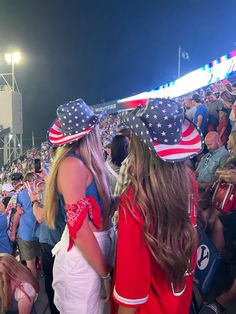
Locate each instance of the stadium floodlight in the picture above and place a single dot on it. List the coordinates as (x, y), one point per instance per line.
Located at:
(12, 58)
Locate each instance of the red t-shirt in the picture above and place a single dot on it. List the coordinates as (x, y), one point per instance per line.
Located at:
(139, 282)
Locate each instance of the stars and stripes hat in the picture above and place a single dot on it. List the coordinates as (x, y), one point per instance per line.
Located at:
(162, 126)
(75, 120)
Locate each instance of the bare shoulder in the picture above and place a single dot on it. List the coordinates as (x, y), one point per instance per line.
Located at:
(73, 176)
(72, 164)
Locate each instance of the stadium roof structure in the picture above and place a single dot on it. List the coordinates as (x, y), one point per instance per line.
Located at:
(217, 70)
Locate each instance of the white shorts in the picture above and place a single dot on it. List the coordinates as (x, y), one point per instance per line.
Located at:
(76, 284)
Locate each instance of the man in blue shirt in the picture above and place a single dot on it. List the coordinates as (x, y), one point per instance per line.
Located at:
(48, 238)
(27, 241)
(201, 115)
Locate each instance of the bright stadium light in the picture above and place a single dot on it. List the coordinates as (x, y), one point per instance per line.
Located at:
(12, 58)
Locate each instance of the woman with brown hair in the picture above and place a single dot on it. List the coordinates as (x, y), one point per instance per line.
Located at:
(78, 186)
(16, 281)
(156, 245)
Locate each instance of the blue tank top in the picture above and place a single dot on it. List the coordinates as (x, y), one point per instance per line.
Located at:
(91, 190)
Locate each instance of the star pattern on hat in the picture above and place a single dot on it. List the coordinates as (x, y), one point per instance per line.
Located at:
(162, 127)
(75, 119)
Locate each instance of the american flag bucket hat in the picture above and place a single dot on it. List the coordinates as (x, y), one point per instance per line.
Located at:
(162, 126)
(74, 120)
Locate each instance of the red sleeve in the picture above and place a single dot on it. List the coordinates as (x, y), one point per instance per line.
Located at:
(133, 263)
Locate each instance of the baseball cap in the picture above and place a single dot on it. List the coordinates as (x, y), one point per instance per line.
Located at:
(17, 176)
(7, 187)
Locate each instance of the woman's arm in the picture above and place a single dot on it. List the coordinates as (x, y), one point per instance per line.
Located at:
(39, 213)
(199, 120)
(15, 223)
(38, 210)
(91, 250)
(25, 306)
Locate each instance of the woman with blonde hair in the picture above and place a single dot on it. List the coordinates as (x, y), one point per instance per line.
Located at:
(16, 281)
(156, 246)
(78, 185)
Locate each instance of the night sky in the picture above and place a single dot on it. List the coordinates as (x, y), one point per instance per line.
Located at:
(102, 50)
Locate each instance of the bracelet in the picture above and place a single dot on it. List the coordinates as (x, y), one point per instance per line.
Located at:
(107, 277)
(34, 202)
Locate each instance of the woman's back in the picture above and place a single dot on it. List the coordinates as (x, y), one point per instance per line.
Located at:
(81, 171)
(151, 287)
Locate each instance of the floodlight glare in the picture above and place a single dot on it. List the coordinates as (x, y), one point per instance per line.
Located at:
(8, 58)
(12, 58)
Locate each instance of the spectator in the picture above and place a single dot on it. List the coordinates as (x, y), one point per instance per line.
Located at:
(17, 179)
(122, 179)
(119, 151)
(83, 256)
(229, 100)
(48, 238)
(201, 114)
(224, 126)
(7, 189)
(223, 235)
(107, 150)
(213, 106)
(190, 108)
(216, 157)
(156, 235)
(27, 241)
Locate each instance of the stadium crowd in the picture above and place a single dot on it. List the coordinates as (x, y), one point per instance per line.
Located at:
(164, 173)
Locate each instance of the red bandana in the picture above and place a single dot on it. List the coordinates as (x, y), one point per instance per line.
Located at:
(76, 213)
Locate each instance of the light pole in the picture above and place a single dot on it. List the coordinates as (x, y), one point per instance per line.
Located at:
(12, 58)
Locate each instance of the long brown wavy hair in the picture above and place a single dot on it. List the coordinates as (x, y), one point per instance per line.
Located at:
(161, 193)
(90, 149)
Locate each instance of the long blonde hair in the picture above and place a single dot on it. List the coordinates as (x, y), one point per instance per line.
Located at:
(161, 193)
(90, 151)
(13, 271)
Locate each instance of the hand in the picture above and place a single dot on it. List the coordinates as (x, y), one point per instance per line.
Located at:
(32, 191)
(107, 287)
(220, 172)
(229, 176)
